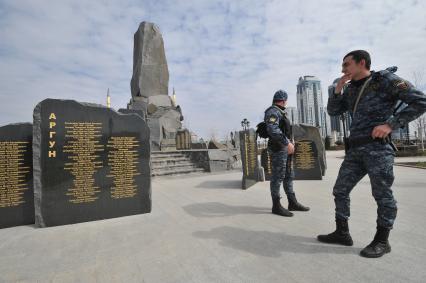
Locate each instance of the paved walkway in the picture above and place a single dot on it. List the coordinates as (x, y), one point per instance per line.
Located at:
(410, 159)
(206, 229)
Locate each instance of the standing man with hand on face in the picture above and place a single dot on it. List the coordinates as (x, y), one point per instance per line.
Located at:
(370, 98)
(281, 147)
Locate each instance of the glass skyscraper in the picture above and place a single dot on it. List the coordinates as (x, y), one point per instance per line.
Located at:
(310, 103)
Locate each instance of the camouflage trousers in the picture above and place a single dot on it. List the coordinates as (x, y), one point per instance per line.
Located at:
(281, 173)
(373, 159)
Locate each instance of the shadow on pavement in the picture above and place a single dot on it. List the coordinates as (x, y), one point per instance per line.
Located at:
(270, 244)
(220, 184)
(217, 209)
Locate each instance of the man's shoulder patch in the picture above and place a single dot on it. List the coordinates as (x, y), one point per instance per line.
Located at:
(272, 119)
(375, 85)
(400, 84)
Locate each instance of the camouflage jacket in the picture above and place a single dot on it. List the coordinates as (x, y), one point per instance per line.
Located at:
(377, 104)
(275, 125)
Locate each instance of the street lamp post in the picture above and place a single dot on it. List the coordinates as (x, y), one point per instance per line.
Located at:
(245, 124)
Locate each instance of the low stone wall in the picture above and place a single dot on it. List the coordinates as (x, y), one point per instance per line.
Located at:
(214, 160)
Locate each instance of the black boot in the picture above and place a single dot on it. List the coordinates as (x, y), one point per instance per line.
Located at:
(294, 205)
(278, 209)
(341, 236)
(380, 244)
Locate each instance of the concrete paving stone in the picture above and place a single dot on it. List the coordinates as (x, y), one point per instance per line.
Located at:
(204, 228)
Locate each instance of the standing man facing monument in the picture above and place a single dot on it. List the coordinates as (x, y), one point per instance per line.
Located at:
(370, 97)
(281, 148)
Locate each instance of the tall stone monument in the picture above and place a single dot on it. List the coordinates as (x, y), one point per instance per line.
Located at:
(150, 87)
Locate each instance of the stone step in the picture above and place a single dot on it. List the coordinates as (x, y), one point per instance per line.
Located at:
(166, 152)
(178, 165)
(169, 172)
(172, 162)
(155, 157)
(167, 158)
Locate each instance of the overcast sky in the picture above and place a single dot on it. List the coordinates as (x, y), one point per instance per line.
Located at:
(225, 58)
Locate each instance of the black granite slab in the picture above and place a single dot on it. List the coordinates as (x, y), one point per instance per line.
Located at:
(266, 162)
(248, 148)
(90, 163)
(306, 162)
(16, 175)
(308, 132)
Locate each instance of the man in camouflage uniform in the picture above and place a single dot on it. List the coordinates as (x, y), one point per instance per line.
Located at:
(280, 148)
(370, 151)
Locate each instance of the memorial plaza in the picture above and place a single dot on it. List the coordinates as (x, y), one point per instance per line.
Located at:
(204, 228)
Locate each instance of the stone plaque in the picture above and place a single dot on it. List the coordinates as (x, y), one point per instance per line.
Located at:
(183, 140)
(90, 163)
(248, 148)
(266, 162)
(306, 161)
(308, 132)
(16, 175)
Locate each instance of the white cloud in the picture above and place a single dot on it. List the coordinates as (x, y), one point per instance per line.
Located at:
(226, 58)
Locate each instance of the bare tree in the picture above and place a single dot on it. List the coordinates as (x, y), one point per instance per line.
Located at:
(419, 83)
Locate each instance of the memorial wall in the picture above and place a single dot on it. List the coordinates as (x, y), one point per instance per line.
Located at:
(248, 148)
(306, 161)
(16, 178)
(266, 162)
(90, 163)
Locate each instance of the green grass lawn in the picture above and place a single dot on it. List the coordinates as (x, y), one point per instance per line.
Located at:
(421, 164)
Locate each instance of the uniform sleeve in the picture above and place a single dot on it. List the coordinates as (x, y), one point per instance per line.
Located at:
(272, 121)
(336, 105)
(407, 93)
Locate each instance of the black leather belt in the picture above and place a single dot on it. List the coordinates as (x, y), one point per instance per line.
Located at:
(360, 141)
